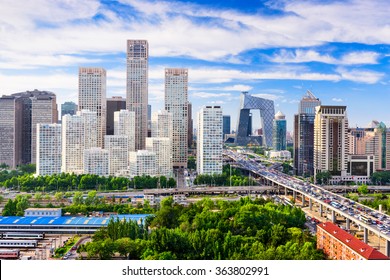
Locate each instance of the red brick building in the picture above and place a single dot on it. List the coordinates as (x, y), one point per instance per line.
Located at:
(338, 244)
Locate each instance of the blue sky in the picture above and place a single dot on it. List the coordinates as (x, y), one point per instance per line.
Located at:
(340, 50)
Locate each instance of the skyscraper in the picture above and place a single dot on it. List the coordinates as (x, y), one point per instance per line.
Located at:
(114, 104)
(124, 124)
(226, 125)
(142, 162)
(43, 110)
(137, 88)
(330, 140)
(304, 135)
(68, 108)
(92, 96)
(176, 102)
(279, 132)
(190, 125)
(79, 132)
(48, 156)
(11, 130)
(209, 141)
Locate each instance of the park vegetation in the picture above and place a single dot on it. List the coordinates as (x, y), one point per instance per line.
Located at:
(222, 230)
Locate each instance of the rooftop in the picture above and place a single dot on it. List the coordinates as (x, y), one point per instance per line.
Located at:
(363, 249)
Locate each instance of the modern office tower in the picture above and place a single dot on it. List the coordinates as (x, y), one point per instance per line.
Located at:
(244, 124)
(162, 148)
(114, 104)
(68, 108)
(124, 124)
(31, 114)
(92, 96)
(11, 108)
(48, 156)
(304, 135)
(162, 124)
(209, 140)
(226, 125)
(79, 132)
(190, 125)
(142, 162)
(176, 102)
(43, 110)
(137, 88)
(117, 147)
(149, 120)
(279, 132)
(96, 161)
(330, 140)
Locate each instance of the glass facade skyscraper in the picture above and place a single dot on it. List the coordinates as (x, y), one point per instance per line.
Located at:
(226, 125)
(279, 132)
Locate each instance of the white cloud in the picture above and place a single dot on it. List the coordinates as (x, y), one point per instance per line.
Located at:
(210, 95)
(360, 76)
(267, 96)
(337, 99)
(302, 56)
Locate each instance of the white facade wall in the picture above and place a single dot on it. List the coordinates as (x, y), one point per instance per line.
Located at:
(209, 140)
(176, 102)
(117, 147)
(48, 150)
(96, 161)
(162, 148)
(162, 124)
(142, 162)
(92, 96)
(124, 124)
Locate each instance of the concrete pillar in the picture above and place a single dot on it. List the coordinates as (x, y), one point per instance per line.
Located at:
(303, 200)
(387, 244)
(295, 195)
(365, 236)
(321, 210)
(347, 221)
(310, 204)
(333, 216)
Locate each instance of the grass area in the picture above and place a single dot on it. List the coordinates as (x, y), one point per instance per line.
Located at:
(61, 251)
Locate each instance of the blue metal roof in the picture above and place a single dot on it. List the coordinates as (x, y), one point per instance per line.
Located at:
(68, 220)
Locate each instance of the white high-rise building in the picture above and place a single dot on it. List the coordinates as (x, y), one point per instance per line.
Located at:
(161, 146)
(96, 161)
(142, 162)
(162, 124)
(48, 150)
(43, 110)
(92, 96)
(209, 140)
(330, 140)
(79, 132)
(137, 88)
(117, 147)
(124, 124)
(176, 102)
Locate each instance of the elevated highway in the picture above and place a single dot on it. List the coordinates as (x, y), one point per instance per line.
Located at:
(367, 218)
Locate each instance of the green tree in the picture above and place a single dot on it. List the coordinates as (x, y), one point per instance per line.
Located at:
(363, 189)
(58, 196)
(78, 198)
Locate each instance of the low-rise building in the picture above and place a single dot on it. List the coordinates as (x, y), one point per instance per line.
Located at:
(43, 212)
(338, 244)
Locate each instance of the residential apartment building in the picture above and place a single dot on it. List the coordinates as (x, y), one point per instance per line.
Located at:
(96, 161)
(117, 147)
(162, 148)
(330, 141)
(209, 140)
(142, 162)
(114, 104)
(49, 148)
(338, 244)
(124, 124)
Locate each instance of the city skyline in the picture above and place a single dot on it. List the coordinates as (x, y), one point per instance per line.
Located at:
(273, 49)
